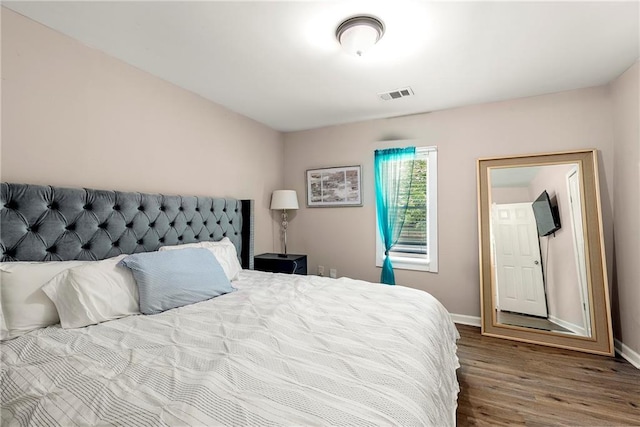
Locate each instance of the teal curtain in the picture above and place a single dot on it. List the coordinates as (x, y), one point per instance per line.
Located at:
(393, 171)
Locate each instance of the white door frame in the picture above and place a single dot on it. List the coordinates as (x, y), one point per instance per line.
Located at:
(577, 229)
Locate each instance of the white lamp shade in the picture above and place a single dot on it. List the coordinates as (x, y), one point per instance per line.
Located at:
(284, 199)
(358, 39)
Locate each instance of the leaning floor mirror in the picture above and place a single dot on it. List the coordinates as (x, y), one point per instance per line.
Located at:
(542, 266)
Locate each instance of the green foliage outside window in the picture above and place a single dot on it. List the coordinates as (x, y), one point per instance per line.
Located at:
(413, 237)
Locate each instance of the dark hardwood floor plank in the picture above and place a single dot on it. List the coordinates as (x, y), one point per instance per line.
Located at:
(507, 383)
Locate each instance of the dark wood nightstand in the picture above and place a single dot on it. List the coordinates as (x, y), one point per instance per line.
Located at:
(278, 263)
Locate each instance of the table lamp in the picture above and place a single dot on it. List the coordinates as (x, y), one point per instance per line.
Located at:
(284, 199)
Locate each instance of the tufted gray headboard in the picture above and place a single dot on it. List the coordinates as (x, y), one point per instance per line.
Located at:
(45, 223)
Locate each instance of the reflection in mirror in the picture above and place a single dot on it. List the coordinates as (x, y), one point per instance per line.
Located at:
(538, 248)
(542, 266)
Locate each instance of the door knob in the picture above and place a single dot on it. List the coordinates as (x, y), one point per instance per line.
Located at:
(536, 262)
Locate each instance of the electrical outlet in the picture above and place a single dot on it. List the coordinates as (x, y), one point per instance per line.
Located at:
(321, 270)
(333, 273)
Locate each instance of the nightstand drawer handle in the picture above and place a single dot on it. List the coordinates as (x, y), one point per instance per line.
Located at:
(295, 266)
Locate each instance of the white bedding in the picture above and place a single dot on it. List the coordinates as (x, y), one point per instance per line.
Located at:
(282, 350)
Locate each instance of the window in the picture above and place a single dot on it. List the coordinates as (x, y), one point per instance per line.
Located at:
(417, 246)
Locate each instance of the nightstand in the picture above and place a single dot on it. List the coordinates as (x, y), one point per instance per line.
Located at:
(277, 263)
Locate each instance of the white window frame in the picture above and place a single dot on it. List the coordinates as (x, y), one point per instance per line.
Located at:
(419, 262)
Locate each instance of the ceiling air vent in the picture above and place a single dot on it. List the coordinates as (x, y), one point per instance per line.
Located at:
(396, 94)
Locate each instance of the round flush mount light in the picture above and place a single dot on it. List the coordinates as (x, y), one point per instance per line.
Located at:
(359, 33)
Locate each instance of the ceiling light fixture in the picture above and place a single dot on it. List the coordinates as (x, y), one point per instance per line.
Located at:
(359, 33)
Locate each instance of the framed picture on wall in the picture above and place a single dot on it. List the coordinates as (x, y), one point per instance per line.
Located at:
(334, 187)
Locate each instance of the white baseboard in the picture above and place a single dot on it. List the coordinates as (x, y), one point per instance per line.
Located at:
(626, 352)
(463, 319)
(576, 329)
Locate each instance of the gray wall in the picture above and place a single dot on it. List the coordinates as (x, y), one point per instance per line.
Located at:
(626, 180)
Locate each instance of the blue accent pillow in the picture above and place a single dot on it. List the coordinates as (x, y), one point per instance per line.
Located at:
(172, 279)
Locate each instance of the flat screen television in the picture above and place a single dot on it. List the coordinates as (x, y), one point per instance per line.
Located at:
(547, 216)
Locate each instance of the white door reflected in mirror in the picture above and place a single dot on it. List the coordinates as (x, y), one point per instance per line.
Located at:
(520, 285)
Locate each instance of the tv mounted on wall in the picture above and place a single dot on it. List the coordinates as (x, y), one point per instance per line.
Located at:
(547, 215)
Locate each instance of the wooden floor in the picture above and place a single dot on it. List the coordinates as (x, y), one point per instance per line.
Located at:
(505, 382)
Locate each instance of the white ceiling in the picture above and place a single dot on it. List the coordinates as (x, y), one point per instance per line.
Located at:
(513, 177)
(279, 62)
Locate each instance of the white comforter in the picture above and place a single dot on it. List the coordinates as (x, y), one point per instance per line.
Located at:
(282, 350)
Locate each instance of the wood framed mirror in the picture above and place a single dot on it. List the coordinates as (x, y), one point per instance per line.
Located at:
(543, 273)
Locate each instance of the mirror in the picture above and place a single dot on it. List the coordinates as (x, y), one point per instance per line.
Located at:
(543, 271)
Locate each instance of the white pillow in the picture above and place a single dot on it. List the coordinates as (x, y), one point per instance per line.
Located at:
(93, 293)
(25, 306)
(224, 251)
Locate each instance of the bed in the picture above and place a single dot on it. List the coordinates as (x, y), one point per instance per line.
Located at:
(277, 350)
